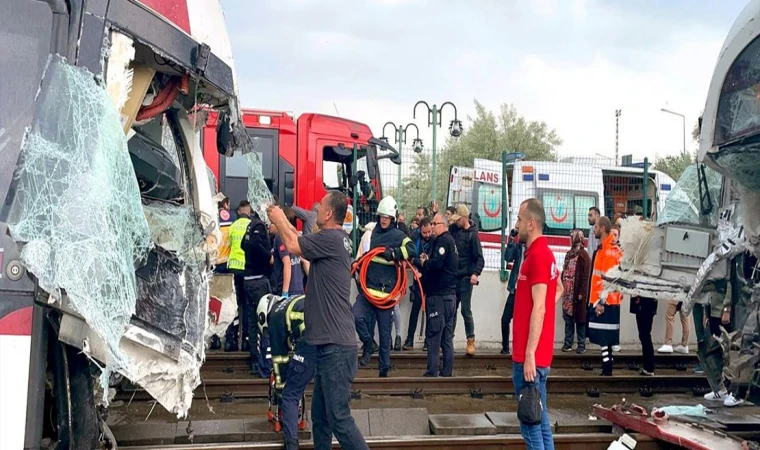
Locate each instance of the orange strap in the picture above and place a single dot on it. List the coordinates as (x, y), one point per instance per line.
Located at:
(391, 299)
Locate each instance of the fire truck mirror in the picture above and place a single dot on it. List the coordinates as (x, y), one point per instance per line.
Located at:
(371, 161)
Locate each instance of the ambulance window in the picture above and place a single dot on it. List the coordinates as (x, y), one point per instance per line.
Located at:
(582, 204)
(739, 105)
(560, 211)
(25, 32)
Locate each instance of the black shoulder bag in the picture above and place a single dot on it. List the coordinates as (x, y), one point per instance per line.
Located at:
(529, 406)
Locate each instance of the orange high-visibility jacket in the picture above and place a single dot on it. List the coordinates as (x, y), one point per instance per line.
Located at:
(607, 257)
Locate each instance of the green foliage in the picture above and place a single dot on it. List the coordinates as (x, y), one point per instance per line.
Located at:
(674, 165)
(485, 136)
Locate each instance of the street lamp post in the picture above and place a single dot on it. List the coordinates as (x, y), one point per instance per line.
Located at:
(434, 120)
(400, 139)
(683, 118)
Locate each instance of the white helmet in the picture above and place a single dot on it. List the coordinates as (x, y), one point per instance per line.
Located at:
(266, 303)
(387, 207)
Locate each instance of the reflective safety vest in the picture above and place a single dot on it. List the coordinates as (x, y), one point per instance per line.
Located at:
(607, 257)
(236, 260)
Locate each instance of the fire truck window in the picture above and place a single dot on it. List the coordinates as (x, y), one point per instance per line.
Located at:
(25, 33)
(238, 167)
(332, 174)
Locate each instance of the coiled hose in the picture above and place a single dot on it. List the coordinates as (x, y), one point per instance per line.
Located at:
(391, 299)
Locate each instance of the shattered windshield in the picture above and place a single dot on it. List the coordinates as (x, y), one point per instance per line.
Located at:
(77, 210)
(739, 106)
(682, 205)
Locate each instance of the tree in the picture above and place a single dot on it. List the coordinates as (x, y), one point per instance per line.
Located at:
(674, 165)
(415, 189)
(487, 136)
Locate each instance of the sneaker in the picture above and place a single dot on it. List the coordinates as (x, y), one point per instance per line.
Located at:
(716, 396)
(683, 349)
(397, 344)
(383, 374)
(616, 348)
(504, 351)
(605, 373)
(580, 350)
(408, 345)
(375, 347)
(699, 370)
(646, 373)
(665, 349)
(567, 348)
(215, 344)
(732, 401)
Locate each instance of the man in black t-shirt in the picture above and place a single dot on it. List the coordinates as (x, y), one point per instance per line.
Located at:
(327, 311)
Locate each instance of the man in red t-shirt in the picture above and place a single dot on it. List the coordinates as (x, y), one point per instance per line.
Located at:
(533, 333)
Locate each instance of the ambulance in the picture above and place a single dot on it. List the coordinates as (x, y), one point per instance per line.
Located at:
(567, 191)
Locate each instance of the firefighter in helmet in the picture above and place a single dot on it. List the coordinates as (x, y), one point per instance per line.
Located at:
(282, 320)
(380, 281)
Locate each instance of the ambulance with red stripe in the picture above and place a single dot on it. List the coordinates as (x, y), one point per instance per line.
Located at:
(161, 63)
(567, 191)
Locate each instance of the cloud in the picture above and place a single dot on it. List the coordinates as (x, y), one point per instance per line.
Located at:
(569, 63)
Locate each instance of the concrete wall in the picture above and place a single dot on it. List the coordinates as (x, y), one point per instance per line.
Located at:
(488, 301)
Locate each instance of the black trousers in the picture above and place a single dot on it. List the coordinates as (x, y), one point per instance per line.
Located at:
(414, 315)
(506, 321)
(645, 310)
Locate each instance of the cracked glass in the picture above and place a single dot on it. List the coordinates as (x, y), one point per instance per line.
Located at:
(258, 193)
(77, 209)
(682, 205)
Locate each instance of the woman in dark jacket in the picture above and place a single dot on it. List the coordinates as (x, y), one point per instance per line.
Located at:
(575, 278)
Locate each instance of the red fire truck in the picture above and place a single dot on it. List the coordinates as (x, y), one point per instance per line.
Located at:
(301, 159)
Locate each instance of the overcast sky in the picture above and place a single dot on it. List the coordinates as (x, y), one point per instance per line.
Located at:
(570, 63)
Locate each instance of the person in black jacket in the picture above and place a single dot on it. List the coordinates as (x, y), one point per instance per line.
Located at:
(471, 264)
(381, 279)
(439, 283)
(513, 255)
(250, 263)
(423, 244)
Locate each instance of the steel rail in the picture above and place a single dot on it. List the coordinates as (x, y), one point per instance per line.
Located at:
(590, 441)
(475, 385)
(418, 360)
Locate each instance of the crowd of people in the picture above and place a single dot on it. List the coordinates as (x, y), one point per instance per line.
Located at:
(310, 272)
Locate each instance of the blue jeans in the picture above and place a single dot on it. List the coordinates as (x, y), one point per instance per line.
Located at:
(330, 411)
(537, 437)
(300, 372)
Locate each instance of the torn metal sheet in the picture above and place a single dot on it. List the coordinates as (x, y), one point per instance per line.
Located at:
(657, 425)
(222, 305)
(77, 210)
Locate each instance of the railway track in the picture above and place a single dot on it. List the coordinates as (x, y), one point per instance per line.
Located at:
(591, 441)
(417, 360)
(474, 386)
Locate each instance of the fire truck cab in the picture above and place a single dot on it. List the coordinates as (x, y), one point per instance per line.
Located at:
(302, 159)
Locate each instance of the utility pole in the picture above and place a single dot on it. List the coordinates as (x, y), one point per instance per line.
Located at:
(617, 135)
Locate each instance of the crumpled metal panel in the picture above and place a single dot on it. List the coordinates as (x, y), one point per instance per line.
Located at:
(77, 211)
(682, 205)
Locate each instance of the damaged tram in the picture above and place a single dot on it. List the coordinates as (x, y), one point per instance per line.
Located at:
(107, 227)
(709, 231)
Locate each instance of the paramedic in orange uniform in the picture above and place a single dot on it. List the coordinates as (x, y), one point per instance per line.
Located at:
(604, 310)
